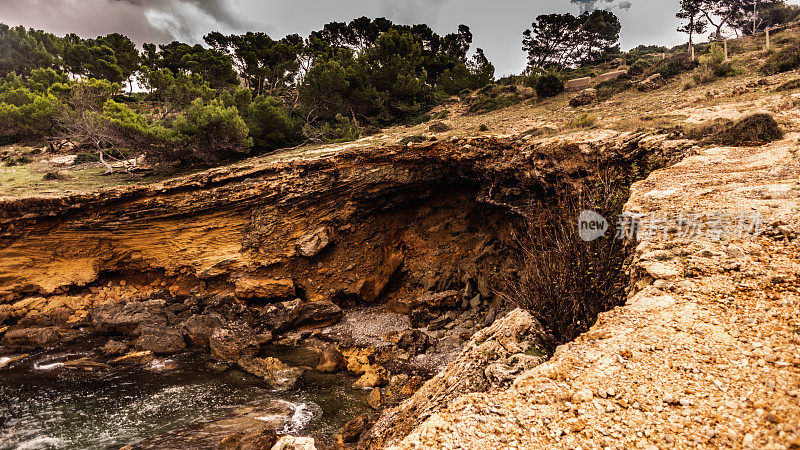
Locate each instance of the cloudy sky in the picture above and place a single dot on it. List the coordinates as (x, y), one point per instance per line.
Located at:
(496, 24)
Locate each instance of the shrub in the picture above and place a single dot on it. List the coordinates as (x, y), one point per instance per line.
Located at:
(341, 129)
(757, 129)
(674, 65)
(788, 58)
(585, 120)
(639, 67)
(713, 65)
(483, 127)
(549, 85)
(210, 133)
(564, 281)
(271, 123)
(789, 85)
(608, 89)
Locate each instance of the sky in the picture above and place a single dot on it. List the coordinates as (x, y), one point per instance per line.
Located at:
(497, 25)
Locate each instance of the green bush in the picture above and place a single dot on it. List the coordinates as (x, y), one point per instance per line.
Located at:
(272, 124)
(713, 65)
(788, 58)
(549, 85)
(27, 115)
(673, 66)
(639, 67)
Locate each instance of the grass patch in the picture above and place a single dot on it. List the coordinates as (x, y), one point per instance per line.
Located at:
(757, 129)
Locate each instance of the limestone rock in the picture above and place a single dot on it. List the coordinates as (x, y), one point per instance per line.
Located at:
(124, 318)
(230, 344)
(278, 375)
(159, 340)
(134, 358)
(295, 443)
(36, 337)
(352, 430)
(331, 360)
(652, 83)
(114, 348)
(87, 364)
(375, 399)
(317, 314)
(584, 97)
(198, 328)
(374, 376)
(264, 288)
(314, 243)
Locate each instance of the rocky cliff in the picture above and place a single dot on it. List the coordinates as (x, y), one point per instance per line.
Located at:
(338, 227)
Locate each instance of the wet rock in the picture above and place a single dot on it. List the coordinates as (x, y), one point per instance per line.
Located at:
(375, 399)
(314, 243)
(295, 443)
(374, 376)
(114, 348)
(278, 375)
(87, 364)
(232, 343)
(37, 337)
(124, 318)
(331, 360)
(7, 361)
(198, 328)
(352, 431)
(135, 358)
(264, 288)
(261, 440)
(584, 97)
(159, 340)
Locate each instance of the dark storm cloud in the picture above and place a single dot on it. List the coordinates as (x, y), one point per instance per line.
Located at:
(142, 20)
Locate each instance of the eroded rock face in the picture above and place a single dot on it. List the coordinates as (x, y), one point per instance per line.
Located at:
(124, 318)
(41, 337)
(504, 344)
(304, 228)
(230, 344)
(159, 339)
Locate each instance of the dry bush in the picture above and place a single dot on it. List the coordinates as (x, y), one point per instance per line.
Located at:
(756, 129)
(566, 282)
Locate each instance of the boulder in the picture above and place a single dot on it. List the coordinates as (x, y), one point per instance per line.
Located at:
(331, 360)
(232, 343)
(281, 316)
(159, 340)
(375, 399)
(261, 440)
(36, 337)
(352, 430)
(584, 97)
(652, 83)
(314, 243)
(135, 358)
(375, 376)
(198, 329)
(114, 348)
(578, 84)
(295, 443)
(278, 375)
(317, 314)
(264, 288)
(610, 76)
(124, 318)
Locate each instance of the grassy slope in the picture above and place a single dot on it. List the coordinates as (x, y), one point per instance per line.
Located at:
(627, 111)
